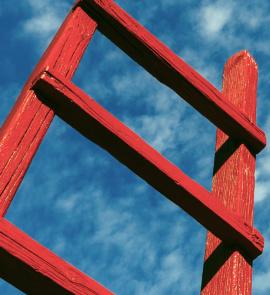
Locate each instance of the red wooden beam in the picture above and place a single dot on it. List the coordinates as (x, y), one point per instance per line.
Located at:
(34, 269)
(233, 184)
(93, 121)
(29, 120)
(171, 70)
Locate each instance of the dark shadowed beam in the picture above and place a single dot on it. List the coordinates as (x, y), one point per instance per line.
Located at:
(34, 269)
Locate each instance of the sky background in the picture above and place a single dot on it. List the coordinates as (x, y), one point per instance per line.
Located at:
(80, 202)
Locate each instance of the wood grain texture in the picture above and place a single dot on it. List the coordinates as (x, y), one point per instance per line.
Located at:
(169, 69)
(26, 125)
(226, 270)
(35, 270)
(93, 121)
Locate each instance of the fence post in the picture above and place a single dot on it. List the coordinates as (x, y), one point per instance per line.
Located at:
(228, 270)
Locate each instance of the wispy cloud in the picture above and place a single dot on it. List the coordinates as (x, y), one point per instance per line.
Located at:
(263, 171)
(44, 19)
(233, 25)
(214, 17)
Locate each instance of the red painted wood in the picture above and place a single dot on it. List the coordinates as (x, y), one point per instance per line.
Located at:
(226, 270)
(227, 212)
(169, 69)
(93, 121)
(29, 120)
(34, 269)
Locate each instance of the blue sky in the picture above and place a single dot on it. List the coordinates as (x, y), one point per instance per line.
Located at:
(85, 206)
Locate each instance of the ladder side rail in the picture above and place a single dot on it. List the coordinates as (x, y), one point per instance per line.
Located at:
(227, 268)
(29, 120)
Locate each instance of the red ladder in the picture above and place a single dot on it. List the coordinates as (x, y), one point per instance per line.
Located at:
(227, 211)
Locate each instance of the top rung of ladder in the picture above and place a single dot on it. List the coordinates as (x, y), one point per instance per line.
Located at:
(171, 70)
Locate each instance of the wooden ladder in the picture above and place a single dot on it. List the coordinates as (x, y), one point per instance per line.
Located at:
(227, 212)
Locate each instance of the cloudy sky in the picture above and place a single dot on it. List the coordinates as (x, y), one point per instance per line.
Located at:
(80, 202)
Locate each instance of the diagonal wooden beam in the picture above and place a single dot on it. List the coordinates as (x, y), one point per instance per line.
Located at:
(171, 70)
(97, 124)
(34, 269)
(29, 120)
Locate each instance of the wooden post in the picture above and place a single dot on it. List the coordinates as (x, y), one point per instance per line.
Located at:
(226, 269)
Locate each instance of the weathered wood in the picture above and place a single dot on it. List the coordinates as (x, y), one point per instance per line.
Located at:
(29, 120)
(34, 269)
(93, 121)
(169, 69)
(226, 270)
(227, 212)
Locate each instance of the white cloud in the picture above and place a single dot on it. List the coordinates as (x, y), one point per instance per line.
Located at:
(261, 191)
(46, 16)
(232, 25)
(67, 203)
(263, 170)
(262, 282)
(42, 24)
(214, 17)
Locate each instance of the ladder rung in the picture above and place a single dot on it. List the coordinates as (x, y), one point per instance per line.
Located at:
(97, 124)
(34, 269)
(171, 70)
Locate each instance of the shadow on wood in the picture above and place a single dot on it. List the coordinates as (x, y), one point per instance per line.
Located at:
(216, 261)
(224, 152)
